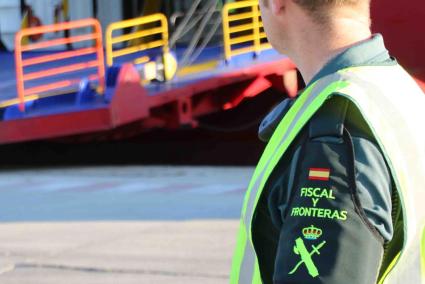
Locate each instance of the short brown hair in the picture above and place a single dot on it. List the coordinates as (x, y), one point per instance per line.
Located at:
(319, 9)
(314, 5)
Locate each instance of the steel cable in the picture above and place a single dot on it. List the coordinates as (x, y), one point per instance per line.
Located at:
(198, 34)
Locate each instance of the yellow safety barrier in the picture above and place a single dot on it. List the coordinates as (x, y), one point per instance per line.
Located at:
(151, 32)
(243, 29)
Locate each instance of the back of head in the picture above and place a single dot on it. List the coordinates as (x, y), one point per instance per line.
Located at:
(321, 10)
(310, 32)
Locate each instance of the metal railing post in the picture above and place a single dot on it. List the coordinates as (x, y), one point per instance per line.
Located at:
(46, 72)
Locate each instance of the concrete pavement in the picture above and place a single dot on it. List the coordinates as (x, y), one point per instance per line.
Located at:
(119, 224)
(117, 252)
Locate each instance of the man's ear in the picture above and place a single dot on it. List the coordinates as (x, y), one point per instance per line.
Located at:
(278, 6)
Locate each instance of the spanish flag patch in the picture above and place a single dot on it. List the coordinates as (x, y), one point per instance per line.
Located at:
(319, 174)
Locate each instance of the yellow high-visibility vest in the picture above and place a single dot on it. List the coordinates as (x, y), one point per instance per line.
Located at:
(394, 108)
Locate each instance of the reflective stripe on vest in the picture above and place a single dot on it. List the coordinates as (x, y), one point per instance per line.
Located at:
(398, 134)
(423, 252)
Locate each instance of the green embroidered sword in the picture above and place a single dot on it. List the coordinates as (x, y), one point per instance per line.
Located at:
(301, 250)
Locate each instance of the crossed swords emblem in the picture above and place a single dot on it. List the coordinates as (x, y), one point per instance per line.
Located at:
(306, 257)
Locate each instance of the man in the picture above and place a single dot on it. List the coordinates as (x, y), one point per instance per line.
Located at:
(337, 195)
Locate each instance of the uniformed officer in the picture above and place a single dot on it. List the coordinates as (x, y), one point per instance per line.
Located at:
(337, 194)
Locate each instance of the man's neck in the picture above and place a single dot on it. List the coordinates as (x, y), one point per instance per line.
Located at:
(313, 49)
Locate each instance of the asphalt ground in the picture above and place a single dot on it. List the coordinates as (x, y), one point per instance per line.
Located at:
(119, 224)
(67, 218)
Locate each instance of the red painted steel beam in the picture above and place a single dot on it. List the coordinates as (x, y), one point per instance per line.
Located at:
(133, 110)
(54, 126)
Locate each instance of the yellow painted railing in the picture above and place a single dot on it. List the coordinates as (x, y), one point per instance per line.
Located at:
(57, 86)
(243, 29)
(149, 32)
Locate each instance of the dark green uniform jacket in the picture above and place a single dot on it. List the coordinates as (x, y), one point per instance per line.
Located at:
(281, 205)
